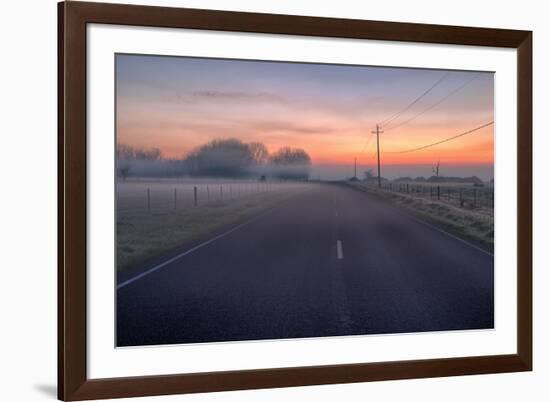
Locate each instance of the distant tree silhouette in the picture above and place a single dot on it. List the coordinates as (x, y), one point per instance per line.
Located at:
(151, 154)
(221, 157)
(369, 175)
(291, 163)
(259, 153)
(127, 156)
(125, 152)
(129, 153)
(290, 156)
(123, 170)
(435, 169)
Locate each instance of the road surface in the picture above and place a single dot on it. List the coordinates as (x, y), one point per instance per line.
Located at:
(330, 261)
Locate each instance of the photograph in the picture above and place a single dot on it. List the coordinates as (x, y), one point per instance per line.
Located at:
(266, 200)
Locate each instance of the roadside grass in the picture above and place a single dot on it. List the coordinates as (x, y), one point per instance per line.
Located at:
(142, 235)
(476, 224)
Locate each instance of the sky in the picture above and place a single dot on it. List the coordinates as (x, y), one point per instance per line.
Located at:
(179, 103)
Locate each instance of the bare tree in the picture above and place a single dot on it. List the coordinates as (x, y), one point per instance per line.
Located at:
(124, 155)
(435, 169)
(123, 171)
(258, 152)
(291, 163)
(221, 157)
(125, 152)
(150, 154)
(129, 159)
(369, 175)
(129, 153)
(290, 156)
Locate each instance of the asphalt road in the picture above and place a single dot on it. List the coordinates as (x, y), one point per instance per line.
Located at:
(330, 261)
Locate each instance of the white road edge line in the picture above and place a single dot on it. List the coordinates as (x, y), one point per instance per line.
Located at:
(398, 209)
(171, 260)
(183, 254)
(339, 250)
(448, 234)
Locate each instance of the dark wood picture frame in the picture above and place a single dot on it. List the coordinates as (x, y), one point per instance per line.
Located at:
(73, 383)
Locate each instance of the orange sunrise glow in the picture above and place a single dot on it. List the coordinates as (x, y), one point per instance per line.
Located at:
(179, 104)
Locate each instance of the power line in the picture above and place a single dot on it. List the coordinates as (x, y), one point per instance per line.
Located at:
(366, 144)
(433, 105)
(442, 141)
(399, 113)
(364, 151)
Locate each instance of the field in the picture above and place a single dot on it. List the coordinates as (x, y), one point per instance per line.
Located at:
(463, 195)
(155, 216)
(459, 208)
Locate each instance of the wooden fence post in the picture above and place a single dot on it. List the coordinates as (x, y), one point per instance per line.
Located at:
(196, 196)
(148, 200)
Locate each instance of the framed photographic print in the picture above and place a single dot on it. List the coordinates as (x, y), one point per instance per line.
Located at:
(252, 200)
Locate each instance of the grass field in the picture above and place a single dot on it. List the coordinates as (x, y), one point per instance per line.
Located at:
(156, 216)
(473, 223)
(464, 195)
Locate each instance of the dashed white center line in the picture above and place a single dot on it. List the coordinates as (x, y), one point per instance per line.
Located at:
(339, 250)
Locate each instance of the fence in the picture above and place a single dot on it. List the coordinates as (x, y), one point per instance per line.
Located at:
(149, 197)
(465, 197)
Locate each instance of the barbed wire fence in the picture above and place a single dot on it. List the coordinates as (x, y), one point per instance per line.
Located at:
(469, 197)
(149, 197)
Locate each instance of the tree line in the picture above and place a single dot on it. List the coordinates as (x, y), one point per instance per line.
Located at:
(222, 157)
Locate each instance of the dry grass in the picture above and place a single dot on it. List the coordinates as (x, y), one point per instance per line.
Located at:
(476, 224)
(142, 235)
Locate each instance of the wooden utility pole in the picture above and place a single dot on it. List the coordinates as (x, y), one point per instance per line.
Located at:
(355, 168)
(378, 132)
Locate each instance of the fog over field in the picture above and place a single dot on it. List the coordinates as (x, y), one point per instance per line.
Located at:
(342, 172)
(329, 172)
